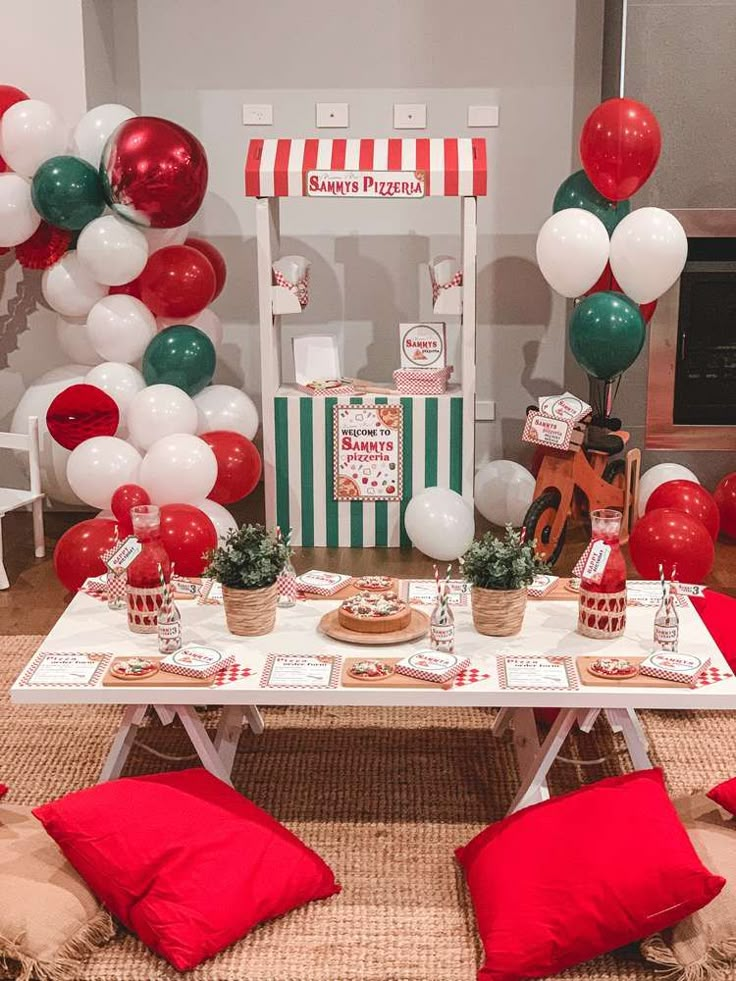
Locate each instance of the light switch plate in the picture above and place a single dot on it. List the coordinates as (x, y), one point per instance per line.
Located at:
(258, 115)
(410, 115)
(482, 116)
(332, 115)
(485, 410)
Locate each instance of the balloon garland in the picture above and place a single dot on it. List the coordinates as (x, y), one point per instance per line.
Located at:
(134, 419)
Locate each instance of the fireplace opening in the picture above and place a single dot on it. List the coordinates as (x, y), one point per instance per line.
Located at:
(705, 363)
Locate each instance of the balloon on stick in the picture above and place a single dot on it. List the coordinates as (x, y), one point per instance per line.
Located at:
(78, 553)
(572, 251)
(619, 147)
(439, 523)
(606, 334)
(690, 498)
(576, 191)
(648, 253)
(674, 540)
(67, 193)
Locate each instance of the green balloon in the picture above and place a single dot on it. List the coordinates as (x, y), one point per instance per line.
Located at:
(577, 192)
(67, 192)
(181, 355)
(606, 334)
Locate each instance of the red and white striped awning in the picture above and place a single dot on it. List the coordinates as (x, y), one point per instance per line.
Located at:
(451, 167)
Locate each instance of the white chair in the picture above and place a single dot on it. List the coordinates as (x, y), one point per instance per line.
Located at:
(10, 499)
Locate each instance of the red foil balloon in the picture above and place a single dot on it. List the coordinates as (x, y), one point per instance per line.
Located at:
(44, 248)
(690, 498)
(80, 412)
(674, 540)
(77, 553)
(9, 95)
(238, 466)
(725, 498)
(187, 535)
(178, 281)
(619, 147)
(215, 256)
(127, 496)
(154, 172)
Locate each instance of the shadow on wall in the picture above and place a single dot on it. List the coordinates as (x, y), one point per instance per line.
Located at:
(20, 307)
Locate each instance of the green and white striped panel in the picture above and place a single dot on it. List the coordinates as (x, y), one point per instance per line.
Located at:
(433, 435)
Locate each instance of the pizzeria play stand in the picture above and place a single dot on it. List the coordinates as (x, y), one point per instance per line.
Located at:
(437, 431)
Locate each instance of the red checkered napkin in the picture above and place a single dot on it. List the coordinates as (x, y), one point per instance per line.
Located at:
(711, 675)
(231, 674)
(469, 677)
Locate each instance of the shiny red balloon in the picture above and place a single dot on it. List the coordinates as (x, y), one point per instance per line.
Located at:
(238, 465)
(605, 283)
(725, 498)
(133, 288)
(619, 147)
(216, 258)
(187, 535)
(690, 498)
(674, 540)
(178, 281)
(127, 496)
(647, 310)
(9, 95)
(81, 412)
(154, 172)
(77, 553)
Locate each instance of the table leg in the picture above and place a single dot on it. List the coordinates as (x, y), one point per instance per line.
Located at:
(201, 741)
(626, 721)
(255, 719)
(228, 734)
(122, 743)
(503, 720)
(526, 745)
(534, 775)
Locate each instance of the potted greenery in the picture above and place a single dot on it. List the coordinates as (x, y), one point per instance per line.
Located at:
(499, 571)
(247, 564)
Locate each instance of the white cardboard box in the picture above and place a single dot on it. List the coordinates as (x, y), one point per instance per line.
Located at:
(423, 345)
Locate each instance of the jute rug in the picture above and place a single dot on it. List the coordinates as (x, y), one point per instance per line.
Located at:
(384, 795)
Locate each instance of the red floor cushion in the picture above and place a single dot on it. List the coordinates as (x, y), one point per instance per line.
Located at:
(718, 613)
(183, 860)
(725, 795)
(563, 881)
(3, 790)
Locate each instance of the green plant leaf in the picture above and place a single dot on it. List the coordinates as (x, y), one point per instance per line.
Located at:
(502, 563)
(249, 558)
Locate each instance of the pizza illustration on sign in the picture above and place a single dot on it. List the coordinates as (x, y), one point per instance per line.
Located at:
(367, 460)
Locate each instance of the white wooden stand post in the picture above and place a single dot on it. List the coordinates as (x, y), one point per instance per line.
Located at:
(269, 247)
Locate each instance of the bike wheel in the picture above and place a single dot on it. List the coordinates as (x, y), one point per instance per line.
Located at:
(615, 473)
(538, 525)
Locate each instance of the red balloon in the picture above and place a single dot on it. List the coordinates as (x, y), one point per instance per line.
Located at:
(619, 147)
(674, 540)
(44, 248)
(9, 95)
(77, 553)
(647, 310)
(127, 496)
(238, 465)
(133, 288)
(80, 412)
(215, 256)
(187, 535)
(605, 283)
(690, 498)
(725, 498)
(178, 281)
(154, 172)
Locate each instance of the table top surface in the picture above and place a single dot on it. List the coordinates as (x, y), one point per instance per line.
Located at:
(549, 628)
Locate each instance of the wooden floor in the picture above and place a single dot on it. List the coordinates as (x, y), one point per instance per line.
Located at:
(36, 598)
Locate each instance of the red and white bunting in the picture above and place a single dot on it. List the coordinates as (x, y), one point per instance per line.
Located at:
(452, 167)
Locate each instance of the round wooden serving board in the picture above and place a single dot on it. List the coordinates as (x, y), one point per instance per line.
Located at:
(417, 627)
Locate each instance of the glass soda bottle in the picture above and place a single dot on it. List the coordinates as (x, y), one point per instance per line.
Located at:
(442, 628)
(145, 592)
(602, 599)
(286, 586)
(666, 623)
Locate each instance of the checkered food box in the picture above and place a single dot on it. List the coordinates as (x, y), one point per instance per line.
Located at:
(193, 661)
(422, 381)
(671, 666)
(432, 666)
(322, 583)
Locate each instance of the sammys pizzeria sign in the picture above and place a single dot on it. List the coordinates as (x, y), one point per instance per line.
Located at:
(364, 184)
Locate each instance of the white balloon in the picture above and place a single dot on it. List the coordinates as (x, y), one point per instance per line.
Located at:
(93, 129)
(220, 517)
(572, 250)
(120, 327)
(30, 132)
(73, 341)
(504, 490)
(207, 321)
(53, 458)
(98, 466)
(158, 411)
(18, 218)
(648, 253)
(226, 407)
(440, 523)
(660, 474)
(122, 382)
(69, 289)
(178, 469)
(159, 237)
(112, 250)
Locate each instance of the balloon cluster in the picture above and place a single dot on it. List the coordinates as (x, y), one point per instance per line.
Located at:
(616, 261)
(134, 419)
(679, 525)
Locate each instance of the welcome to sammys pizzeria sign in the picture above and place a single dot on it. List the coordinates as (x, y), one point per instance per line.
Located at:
(364, 184)
(367, 452)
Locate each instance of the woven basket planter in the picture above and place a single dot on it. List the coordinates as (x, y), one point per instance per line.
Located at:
(250, 612)
(498, 612)
(602, 615)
